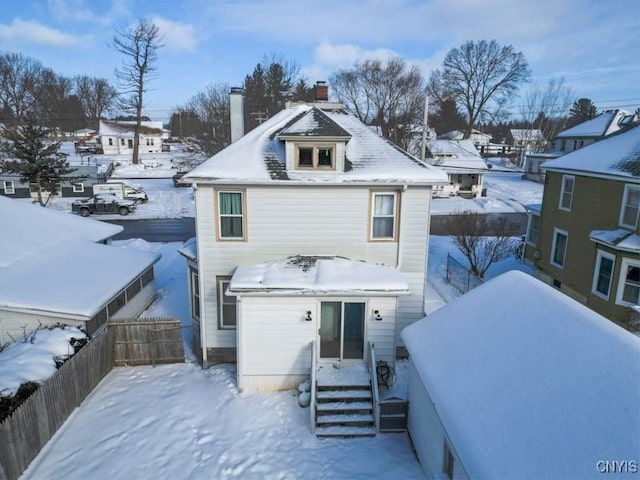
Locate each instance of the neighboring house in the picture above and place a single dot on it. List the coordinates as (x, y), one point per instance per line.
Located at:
(312, 235)
(56, 268)
(117, 137)
(79, 183)
(515, 380)
(576, 137)
(464, 166)
(528, 139)
(584, 239)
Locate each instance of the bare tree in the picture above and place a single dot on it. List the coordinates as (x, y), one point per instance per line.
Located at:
(482, 77)
(545, 108)
(96, 95)
(26, 151)
(19, 78)
(484, 241)
(389, 95)
(139, 44)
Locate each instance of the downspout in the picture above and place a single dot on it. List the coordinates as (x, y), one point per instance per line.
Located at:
(399, 247)
(201, 277)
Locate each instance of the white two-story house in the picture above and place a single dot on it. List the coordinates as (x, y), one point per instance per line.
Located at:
(312, 230)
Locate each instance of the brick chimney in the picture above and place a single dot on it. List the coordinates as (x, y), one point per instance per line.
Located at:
(236, 104)
(321, 91)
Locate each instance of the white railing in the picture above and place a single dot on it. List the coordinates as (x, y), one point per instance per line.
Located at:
(312, 390)
(373, 373)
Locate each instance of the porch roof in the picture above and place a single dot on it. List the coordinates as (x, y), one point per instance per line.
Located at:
(318, 274)
(619, 239)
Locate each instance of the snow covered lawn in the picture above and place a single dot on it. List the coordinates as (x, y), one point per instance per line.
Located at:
(178, 421)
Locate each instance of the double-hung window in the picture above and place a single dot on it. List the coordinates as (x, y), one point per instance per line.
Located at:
(629, 286)
(630, 207)
(534, 226)
(9, 188)
(566, 193)
(559, 247)
(603, 274)
(384, 211)
(231, 215)
(226, 304)
(195, 292)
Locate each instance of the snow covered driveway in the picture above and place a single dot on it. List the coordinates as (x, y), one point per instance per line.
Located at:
(179, 421)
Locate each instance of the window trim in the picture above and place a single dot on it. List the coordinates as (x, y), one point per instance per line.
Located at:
(220, 288)
(529, 229)
(78, 187)
(622, 276)
(556, 232)
(625, 197)
(315, 155)
(396, 215)
(243, 196)
(195, 293)
(596, 274)
(563, 191)
(11, 190)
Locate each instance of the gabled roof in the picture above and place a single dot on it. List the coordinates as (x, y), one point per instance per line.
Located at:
(455, 156)
(318, 274)
(617, 155)
(601, 125)
(313, 123)
(525, 379)
(524, 134)
(50, 261)
(259, 156)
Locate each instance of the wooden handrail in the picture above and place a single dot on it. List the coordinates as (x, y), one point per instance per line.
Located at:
(373, 373)
(312, 390)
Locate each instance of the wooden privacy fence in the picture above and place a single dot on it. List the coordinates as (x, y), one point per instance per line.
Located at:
(147, 341)
(36, 420)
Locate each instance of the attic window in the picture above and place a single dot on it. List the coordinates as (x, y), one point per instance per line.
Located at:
(315, 157)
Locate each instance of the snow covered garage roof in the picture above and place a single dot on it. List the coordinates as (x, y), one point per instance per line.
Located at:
(456, 156)
(259, 156)
(529, 382)
(322, 274)
(617, 155)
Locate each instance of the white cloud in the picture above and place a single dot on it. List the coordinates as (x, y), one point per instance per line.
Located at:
(30, 32)
(177, 37)
(79, 11)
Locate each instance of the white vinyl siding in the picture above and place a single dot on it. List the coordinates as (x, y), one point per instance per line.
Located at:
(630, 207)
(559, 247)
(566, 193)
(603, 274)
(319, 220)
(629, 283)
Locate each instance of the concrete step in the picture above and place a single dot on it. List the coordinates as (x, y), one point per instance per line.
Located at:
(343, 431)
(343, 406)
(343, 394)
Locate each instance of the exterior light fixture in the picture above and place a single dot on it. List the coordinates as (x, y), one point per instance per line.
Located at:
(376, 315)
(308, 316)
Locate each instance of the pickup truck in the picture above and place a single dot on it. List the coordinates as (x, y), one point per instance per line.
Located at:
(103, 203)
(122, 190)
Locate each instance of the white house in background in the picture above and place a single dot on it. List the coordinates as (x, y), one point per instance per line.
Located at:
(528, 139)
(117, 137)
(576, 137)
(56, 268)
(312, 230)
(516, 380)
(464, 166)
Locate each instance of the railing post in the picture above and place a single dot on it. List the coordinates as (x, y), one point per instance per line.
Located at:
(374, 386)
(312, 401)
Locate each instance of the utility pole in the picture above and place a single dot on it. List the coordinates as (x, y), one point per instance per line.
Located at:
(425, 126)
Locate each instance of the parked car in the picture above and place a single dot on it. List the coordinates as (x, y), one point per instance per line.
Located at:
(103, 203)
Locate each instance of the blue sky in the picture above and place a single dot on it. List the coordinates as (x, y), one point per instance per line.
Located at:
(593, 44)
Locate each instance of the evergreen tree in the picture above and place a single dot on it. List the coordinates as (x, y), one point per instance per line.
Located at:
(582, 109)
(26, 152)
(448, 118)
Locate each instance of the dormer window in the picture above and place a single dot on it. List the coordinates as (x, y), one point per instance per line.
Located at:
(315, 157)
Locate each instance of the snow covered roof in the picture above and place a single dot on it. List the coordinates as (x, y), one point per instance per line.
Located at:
(259, 156)
(525, 379)
(526, 134)
(601, 125)
(29, 229)
(619, 238)
(126, 129)
(77, 278)
(617, 155)
(50, 261)
(456, 156)
(189, 249)
(308, 274)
